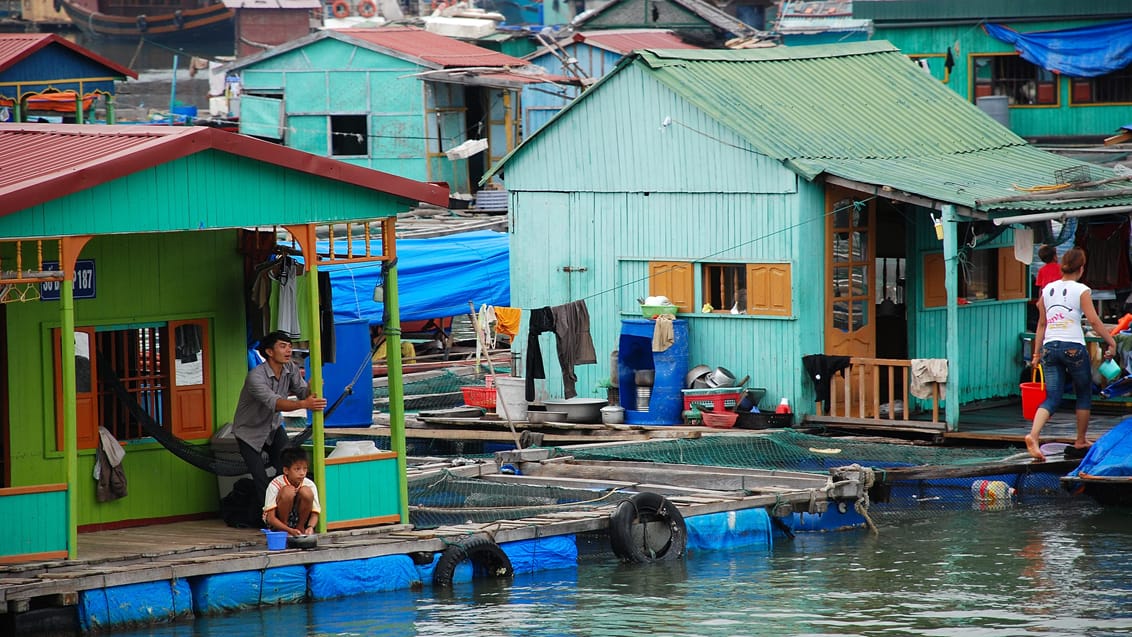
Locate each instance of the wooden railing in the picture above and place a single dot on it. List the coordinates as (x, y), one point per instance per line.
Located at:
(857, 396)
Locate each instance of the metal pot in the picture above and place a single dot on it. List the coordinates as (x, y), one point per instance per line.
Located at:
(540, 417)
(644, 377)
(696, 373)
(720, 377)
(579, 410)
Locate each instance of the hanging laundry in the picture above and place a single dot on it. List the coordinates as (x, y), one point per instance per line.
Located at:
(507, 320)
(575, 345)
(541, 321)
(662, 333)
(821, 368)
(288, 314)
(925, 372)
(108, 469)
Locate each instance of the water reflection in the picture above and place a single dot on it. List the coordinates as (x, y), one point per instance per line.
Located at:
(1052, 568)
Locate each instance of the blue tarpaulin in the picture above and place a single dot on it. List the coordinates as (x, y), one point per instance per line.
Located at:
(1081, 52)
(1111, 455)
(436, 277)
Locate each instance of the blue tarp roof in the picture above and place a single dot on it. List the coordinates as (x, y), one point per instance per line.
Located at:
(1081, 52)
(436, 277)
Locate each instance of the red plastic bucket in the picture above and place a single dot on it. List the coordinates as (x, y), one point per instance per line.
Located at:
(1033, 393)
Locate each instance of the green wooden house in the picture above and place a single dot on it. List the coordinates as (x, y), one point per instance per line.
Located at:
(1041, 101)
(395, 99)
(792, 201)
(126, 248)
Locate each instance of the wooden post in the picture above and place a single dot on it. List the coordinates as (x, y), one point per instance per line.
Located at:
(69, 249)
(393, 362)
(951, 285)
(305, 235)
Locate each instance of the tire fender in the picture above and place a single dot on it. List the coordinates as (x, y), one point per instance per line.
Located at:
(488, 560)
(647, 528)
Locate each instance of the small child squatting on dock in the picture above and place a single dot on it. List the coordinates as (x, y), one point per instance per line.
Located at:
(291, 503)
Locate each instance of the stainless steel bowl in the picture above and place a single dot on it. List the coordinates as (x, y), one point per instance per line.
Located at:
(579, 410)
(539, 417)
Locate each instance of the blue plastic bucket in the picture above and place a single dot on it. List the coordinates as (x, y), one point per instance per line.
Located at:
(276, 540)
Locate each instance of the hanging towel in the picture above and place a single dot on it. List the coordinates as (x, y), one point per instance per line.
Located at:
(575, 345)
(821, 368)
(108, 469)
(925, 372)
(541, 321)
(662, 333)
(507, 320)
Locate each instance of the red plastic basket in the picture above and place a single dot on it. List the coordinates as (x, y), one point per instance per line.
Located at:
(721, 420)
(477, 396)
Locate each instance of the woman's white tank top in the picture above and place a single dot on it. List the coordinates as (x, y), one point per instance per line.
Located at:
(1063, 311)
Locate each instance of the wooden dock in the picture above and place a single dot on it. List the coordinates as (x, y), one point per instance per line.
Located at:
(170, 552)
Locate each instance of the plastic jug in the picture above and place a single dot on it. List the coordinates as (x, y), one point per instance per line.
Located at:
(783, 406)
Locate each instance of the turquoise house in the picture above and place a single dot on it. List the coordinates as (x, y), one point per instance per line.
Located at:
(395, 99)
(791, 201)
(117, 261)
(973, 48)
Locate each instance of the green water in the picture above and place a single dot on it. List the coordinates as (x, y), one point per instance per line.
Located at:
(1062, 567)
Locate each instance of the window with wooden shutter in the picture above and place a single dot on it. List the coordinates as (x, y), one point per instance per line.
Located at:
(935, 290)
(769, 289)
(674, 280)
(86, 388)
(163, 368)
(1013, 276)
(190, 387)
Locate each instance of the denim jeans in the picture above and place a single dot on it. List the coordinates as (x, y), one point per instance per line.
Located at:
(1062, 363)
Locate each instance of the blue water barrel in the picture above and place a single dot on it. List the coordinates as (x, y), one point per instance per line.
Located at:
(634, 353)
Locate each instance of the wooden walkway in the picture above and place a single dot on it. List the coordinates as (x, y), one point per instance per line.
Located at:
(188, 549)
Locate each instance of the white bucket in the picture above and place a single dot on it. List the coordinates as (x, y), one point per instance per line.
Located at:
(511, 398)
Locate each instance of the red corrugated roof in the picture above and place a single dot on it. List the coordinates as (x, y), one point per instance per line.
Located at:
(625, 42)
(17, 46)
(440, 50)
(43, 162)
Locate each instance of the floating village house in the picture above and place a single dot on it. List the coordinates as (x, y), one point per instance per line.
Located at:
(396, 99)
(131, 267)
(43, 76)
(1052, 70)
(787, 200)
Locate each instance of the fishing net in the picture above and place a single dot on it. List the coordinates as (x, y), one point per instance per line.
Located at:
(446, 499)
(963, 477)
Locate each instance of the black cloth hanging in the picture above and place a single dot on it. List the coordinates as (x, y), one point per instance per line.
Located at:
(821, 368)
(542, 320)
(575, 345)
(326, 316)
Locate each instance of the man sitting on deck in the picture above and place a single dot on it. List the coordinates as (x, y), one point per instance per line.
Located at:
(291, 503)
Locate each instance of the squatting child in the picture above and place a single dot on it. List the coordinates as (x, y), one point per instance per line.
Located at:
(291, 503)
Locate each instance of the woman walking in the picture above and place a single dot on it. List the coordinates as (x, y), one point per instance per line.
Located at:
(1062, 354)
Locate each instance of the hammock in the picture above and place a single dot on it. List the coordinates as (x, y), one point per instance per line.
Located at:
(201, 456)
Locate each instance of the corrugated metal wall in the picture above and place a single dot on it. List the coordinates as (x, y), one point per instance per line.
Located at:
(1026, 121)
(329, 77)
(989, 344)
(608, 190)
(538, 105)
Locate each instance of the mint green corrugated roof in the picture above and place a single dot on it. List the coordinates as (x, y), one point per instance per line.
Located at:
(861, 111)
(864, 112)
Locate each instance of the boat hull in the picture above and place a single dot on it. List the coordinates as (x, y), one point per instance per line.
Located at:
(211, 22)
(1107, 492)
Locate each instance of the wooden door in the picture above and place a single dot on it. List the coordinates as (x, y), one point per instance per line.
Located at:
(850, 325)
